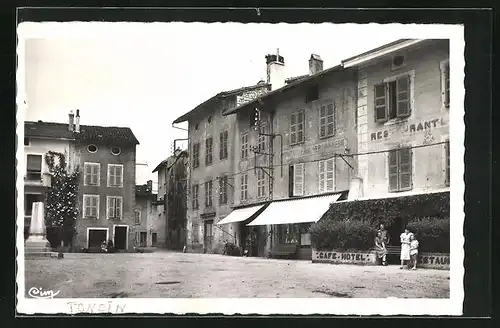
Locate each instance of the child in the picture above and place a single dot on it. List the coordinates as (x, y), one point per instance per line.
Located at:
(413, 251)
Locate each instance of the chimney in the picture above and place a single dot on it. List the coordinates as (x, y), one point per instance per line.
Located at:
(77, 121)
(315, 64)
(71, 125)
(275, 70)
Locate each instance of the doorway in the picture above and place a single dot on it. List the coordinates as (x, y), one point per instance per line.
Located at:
(207, 235)
(120, 233)
(143, 238)
(154, 239)
(96, 236)
(395, 230)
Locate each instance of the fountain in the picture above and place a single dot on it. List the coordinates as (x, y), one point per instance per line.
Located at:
(37, 244)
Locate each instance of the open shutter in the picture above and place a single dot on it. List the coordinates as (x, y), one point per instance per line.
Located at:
(293, 129)
(447, 162)
(403, 96)
(300, 127)
(322, 179)
(298, 181)
(221, 145)
(330, 174)
(87, 175)
(447, 84)
(380, 102)
(330, 121)
(111, 208)
(322, 121)
(118, 208)
(87, 208)
(393, 170)
(405, 169)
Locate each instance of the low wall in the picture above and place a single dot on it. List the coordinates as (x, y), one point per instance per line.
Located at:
(343, 257)
(434, 261)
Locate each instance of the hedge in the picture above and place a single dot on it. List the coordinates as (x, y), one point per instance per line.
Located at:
(352, 225)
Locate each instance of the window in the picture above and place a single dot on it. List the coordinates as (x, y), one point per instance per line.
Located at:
(137, 217)
(208, 193)
(223, 145)
(115, 175)
(261, 183)
(91, 206)
(447, 162)
(244, 186)
(244, 145)
(326, 120)
(196, 155)
(223, 190)
(297, 128)
(92, 174)
(195, 233)
(194, 200)
(327, 175)
(92, 148)
(26, 141)
(297, 179)
(116, 150)
(143, 238)
(400, 170)
(445, 82)
(114, 207)
(312, 93)
(262, 140)
(392, 99)
(34, 167)
(208, 151)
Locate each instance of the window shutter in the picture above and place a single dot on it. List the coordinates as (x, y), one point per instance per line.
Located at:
(87, 207)
(111, 208)
(298, 183)
(119, 175)
(330, 130)
(97, 170)
(322, 121)
(87, 176)
(447, 162)
(447, 84)
(300, 127)
(118, 204)
(393, 170)
(322, 180)
(403, 96)
(380, 103)
(405, 169)
(330, 174)
(221, 145)
(95, 202)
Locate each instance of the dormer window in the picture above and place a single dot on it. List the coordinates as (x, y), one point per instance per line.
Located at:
(312, 93)
(92, 148)
(115, 150)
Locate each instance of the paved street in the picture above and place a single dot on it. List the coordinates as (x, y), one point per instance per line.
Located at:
(165, 274)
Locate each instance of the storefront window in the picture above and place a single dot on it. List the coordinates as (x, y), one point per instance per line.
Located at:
(288, 233)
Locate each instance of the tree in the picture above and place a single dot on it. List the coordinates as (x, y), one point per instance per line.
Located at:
(61, 200)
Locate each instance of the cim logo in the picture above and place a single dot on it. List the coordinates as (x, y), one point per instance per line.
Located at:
(38, 292)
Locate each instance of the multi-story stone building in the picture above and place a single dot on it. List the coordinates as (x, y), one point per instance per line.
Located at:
(149, 225)
(212, 139)
(299, 152)
(172, 193)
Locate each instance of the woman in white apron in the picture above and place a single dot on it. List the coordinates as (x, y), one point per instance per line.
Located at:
(405, 247)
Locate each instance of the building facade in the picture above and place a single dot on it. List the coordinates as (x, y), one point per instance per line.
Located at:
(212, 139)
(149, 225)
(40, 138)
(403, 117)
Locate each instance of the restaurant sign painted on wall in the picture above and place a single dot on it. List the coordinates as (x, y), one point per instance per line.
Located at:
(407, 128)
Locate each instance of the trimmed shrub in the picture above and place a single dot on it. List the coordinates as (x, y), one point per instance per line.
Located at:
(352, 225)
(343, 235)
(433, 234)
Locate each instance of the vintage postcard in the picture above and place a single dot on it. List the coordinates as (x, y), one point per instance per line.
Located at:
(173, 168)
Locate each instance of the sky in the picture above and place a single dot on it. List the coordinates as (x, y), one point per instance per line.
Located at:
(144, 76)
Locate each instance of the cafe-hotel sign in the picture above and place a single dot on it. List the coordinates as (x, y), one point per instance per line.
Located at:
(407, 128)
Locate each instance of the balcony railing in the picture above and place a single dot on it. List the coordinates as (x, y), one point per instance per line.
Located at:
(38, 180)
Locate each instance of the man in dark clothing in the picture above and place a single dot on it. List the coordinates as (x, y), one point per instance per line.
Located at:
(384, 234)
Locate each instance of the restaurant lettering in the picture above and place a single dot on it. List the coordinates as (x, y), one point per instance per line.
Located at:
(336, 143)
(409, 128)
(353, 257)
(436, 260)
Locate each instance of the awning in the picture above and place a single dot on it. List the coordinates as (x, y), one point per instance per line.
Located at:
(240, 214)
(295, 211)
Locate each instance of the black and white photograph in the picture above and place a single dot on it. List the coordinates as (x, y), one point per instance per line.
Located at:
(185, 167)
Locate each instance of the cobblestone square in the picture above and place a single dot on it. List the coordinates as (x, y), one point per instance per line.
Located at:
(180, 275)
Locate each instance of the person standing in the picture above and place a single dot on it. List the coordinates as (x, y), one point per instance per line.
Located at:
(405, 247)
(413, 251)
